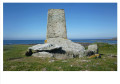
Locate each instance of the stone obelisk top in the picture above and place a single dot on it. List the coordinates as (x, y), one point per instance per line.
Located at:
(56, 24)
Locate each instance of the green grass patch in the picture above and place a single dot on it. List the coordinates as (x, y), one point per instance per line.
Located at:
(15, 60)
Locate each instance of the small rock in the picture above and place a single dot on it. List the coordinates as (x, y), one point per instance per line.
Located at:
(92, 49)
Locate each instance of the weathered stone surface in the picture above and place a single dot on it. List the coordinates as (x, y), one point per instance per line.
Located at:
(68, 46)
(44, 47)
(42, 54)
(93, 48)
(56, 24)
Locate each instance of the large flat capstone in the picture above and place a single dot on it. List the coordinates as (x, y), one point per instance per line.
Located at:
(44, 47)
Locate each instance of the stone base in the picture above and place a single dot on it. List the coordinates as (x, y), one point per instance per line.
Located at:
(60, 48)
(42, 54)
(68, 46)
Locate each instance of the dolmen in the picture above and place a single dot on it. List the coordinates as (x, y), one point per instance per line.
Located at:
(60, 48)
(56, 44)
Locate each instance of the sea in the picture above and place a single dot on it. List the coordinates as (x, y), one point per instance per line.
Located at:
(12, 42)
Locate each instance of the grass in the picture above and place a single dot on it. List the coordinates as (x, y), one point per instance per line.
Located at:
(15, 60)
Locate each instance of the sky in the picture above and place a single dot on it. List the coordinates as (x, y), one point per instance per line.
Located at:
(28, 21)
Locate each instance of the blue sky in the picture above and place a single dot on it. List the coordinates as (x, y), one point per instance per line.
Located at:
(28, 21)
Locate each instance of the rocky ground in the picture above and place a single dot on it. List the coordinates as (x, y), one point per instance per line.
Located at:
(15, 60)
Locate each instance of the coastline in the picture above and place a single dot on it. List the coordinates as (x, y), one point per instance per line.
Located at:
(81, 41)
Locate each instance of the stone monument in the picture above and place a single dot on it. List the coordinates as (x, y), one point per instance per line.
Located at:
(56, 44)
(56, 24)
